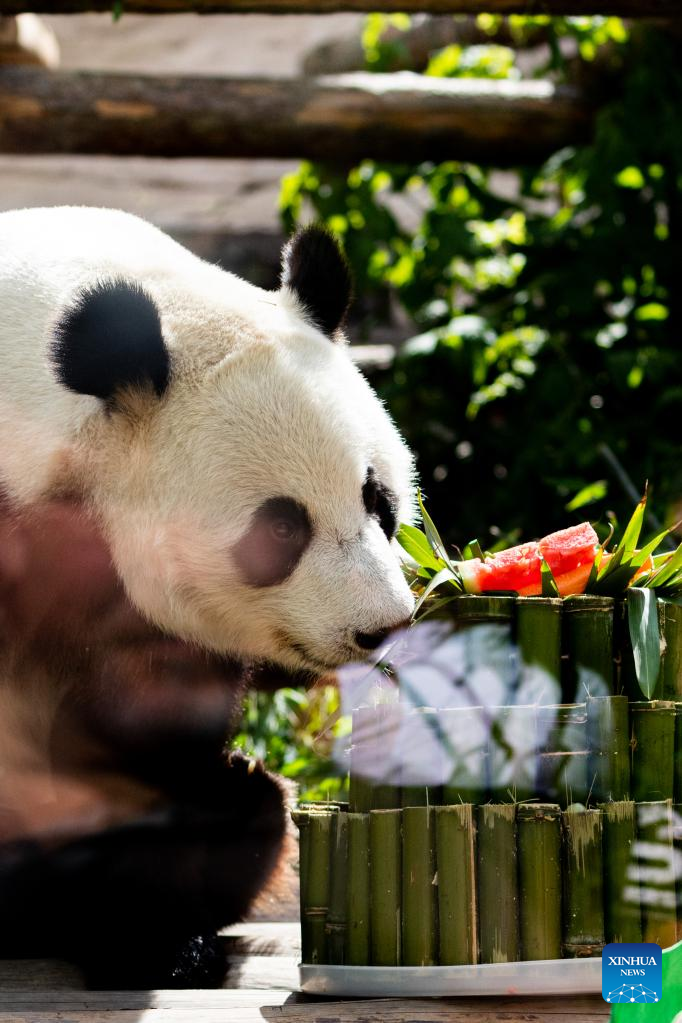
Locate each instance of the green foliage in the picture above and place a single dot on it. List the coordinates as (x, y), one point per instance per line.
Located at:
(546, 300)
(293, 733)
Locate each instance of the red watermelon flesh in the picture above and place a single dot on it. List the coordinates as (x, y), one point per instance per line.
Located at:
(569, 553)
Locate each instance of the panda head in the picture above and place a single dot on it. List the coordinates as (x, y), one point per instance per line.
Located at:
(247, 477)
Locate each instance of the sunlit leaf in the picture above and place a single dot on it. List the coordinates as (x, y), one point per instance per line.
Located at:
(588, 495)
(415, 543)
(549, 586)
(645, 637)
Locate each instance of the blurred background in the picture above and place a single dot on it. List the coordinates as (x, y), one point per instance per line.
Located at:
(521, 317)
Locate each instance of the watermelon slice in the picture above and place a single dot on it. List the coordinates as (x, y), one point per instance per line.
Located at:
(569, 553)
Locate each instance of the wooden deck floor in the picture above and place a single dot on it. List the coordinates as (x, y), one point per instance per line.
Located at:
(262, 988)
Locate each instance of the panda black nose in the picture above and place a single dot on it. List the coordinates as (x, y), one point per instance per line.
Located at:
(371, 640)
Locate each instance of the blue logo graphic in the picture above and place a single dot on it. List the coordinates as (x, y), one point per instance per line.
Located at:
(632, 972)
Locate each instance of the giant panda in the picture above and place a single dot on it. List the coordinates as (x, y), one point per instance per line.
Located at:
(241, 484)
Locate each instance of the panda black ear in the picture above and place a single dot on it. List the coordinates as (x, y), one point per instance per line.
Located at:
(111, 338)
(314, 268)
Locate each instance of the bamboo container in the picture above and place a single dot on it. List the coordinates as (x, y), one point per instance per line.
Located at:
(335, 928)
(512, 745)
(677, 768)
(654, 873)
(670, 624)
(608, 740)
(427, 747)
(539, 853)
(456, 867)
(562, 760)
(301, 819)
(487, 624)
(317, 887)
(538, 635)
(357, 905)
(583, 889)
(622, 910)
(419, 906)
(385, 887)
(470, 610)
(498, 901)
(652, 746)
(588, 642)
(467, 729)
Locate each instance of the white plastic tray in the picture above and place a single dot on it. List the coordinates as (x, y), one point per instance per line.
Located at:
(543, 977)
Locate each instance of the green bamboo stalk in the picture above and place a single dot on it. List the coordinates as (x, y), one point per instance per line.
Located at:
(677, 768)
(654, 874)
(608, 740)
(364, 736)
(419, 937)
(677, 845)
(498, 900)
(652, 746)
(385, 886)
(336, 917)
(538, 634)
(622, 910)
(588, 644)
(512, 745)
(488, 641)
(562, 761)
(317, 889)
(470, 609)
(670, 624)
(467, 729)
(301, 819)
(358, 906)
(583, 889)
(456, 866)
(425, 726)
(539, 853)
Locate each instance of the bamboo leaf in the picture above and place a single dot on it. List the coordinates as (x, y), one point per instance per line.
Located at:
(432, 534)
(588, 495)
(645, 637)
(446, 575)
(628, 540)
(549, 586)
(415, 543)
(669, 569)
(473, 550)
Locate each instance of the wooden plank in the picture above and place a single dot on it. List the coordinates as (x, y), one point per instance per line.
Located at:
(341, 118)
(625, 8)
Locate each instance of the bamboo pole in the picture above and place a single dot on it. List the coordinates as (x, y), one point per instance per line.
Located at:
(511, 759)
(608, 740)
(336, 925)
(677, 767)
(385, 886)
(301, 819)
(427, 741)
(498, 901)
(622, 8)
(583, 889)
(317, 888)
(538, 634)
(419, 906)
(358, 905)
(373, 736)
(622, 911)
(588, 643)
(562, 760)
(539, 853)
(670, 624)
(456, 868)
(654, 875)
(467, 729)
(652, 745)
(472, 609)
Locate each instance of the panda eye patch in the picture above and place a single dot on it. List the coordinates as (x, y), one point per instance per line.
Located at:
(269, 551)
(380, 502)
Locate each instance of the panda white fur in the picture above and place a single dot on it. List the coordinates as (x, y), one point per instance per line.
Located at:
(246, 476)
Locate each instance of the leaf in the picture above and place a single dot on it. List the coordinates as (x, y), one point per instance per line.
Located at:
(645, 637)
(549, 586)
(446, 575)
(588, 495)
(473, 550)
(415, 543)
(629, 539)
(432, 533)
(117, 10)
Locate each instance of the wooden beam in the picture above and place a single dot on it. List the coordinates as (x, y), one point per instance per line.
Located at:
(344, 118)
(624, 8)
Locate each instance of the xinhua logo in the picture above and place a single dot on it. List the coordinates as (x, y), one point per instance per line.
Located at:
(632, 972)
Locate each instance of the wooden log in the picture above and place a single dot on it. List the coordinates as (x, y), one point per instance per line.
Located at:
(624, 8)
(342, 118)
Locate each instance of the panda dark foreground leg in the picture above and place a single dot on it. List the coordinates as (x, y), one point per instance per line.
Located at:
(138, 906)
